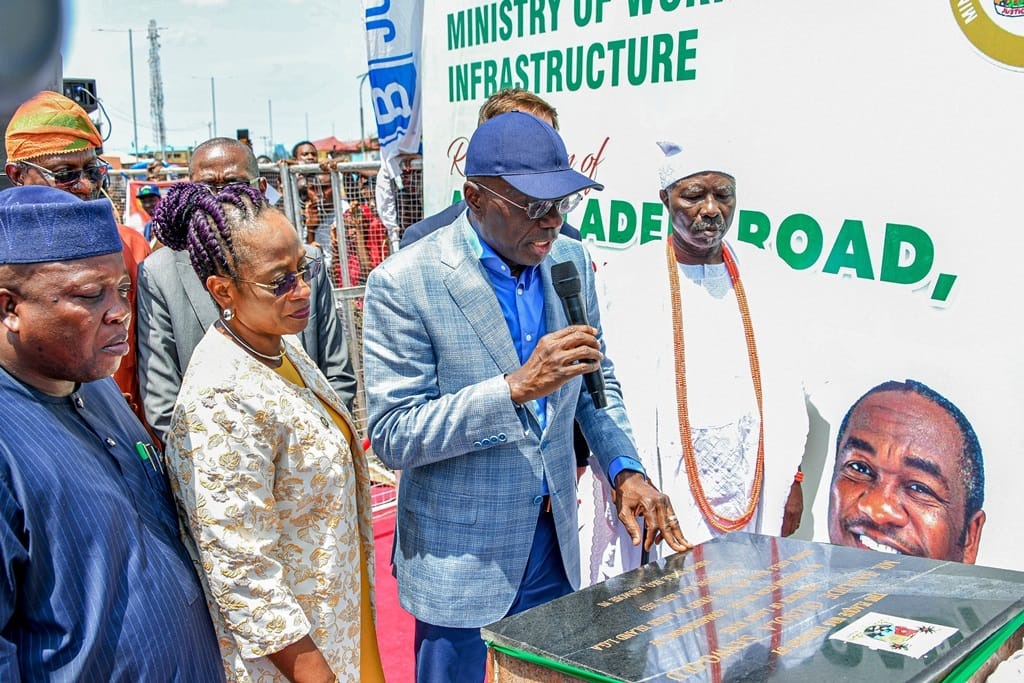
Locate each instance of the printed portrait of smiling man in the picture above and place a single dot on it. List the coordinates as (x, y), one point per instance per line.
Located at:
(909, 476)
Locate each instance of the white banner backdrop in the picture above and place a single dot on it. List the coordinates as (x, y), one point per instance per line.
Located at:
(875, 147)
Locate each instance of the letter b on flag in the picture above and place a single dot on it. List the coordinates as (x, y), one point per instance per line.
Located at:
(393, 91)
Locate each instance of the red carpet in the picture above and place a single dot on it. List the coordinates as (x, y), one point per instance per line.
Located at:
(395, 626)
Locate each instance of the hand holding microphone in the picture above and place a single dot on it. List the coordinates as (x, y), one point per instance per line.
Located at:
(566, 280)
(563, 354)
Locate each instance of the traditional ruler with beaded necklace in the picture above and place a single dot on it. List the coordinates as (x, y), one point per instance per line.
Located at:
(719, 522)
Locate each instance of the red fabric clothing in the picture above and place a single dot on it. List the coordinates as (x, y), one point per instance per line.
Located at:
(376, 238)
(355, 273)
(374, 234)
(134, 249)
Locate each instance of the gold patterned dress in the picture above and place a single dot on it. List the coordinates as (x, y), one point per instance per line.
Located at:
(275, 501)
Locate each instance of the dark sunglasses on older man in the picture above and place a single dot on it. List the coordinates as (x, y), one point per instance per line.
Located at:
(286, 283)
(71, 176)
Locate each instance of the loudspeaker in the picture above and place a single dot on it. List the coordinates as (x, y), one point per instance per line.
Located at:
(82, 91)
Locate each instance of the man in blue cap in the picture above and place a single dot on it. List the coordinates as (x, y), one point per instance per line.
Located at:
(474, 378)
(95, 584)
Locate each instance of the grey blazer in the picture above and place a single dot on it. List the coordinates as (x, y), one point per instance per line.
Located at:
(436, 349)
(174, 310)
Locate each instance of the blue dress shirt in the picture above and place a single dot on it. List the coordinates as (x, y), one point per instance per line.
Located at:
(522, 304)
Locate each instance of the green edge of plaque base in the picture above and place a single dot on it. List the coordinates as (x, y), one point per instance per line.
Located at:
(972, 662)
(556, 666)
(963, 671)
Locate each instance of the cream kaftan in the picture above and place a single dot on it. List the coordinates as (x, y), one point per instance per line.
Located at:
(277, 505)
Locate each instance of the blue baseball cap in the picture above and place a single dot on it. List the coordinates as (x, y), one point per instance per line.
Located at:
(148, 191)
(526, 153)
(41, 224)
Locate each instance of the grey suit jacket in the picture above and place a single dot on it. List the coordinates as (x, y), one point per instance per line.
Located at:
(174, 310)
(436, 349)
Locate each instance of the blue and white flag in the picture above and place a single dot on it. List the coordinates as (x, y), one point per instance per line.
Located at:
(393, 31)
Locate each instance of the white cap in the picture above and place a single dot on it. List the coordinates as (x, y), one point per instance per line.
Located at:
(680, 163)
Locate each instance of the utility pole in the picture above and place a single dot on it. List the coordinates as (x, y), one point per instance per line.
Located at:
(270, 122)
(213, 105)
(362, 125)
(131, 71)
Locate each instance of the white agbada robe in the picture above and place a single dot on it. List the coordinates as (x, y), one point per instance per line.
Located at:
(722, 405)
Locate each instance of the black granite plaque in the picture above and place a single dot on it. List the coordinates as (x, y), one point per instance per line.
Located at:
(745, 607)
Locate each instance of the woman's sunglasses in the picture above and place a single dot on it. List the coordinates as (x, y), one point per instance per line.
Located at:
(286, 283)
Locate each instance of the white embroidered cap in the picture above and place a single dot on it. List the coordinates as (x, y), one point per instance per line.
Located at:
(681, 163)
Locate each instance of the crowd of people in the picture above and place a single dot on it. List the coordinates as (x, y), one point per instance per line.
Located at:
(185, 496)
(360, 227)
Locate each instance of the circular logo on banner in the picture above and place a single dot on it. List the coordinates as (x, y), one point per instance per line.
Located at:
(995, 35)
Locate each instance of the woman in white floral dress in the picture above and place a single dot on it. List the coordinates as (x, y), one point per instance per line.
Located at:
(272, 488)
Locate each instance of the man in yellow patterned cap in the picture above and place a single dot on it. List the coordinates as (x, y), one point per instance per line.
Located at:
(52, 141)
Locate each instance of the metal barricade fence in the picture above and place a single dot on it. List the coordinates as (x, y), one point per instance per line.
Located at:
(117, 184)
(334, 205)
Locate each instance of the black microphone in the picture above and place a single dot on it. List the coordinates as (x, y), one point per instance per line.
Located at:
(566, 280)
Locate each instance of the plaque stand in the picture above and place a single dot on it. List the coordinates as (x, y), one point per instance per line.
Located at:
(744, 607)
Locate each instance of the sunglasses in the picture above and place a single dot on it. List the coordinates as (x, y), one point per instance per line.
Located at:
(287, 283)
(538, 208)
(71, 177)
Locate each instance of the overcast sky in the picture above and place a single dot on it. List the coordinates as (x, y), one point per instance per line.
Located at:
(304, 56)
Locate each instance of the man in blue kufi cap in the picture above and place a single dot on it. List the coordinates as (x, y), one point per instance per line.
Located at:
(474, 378)
(94, 581)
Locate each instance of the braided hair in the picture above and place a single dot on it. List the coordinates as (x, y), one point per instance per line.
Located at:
(194, 219)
